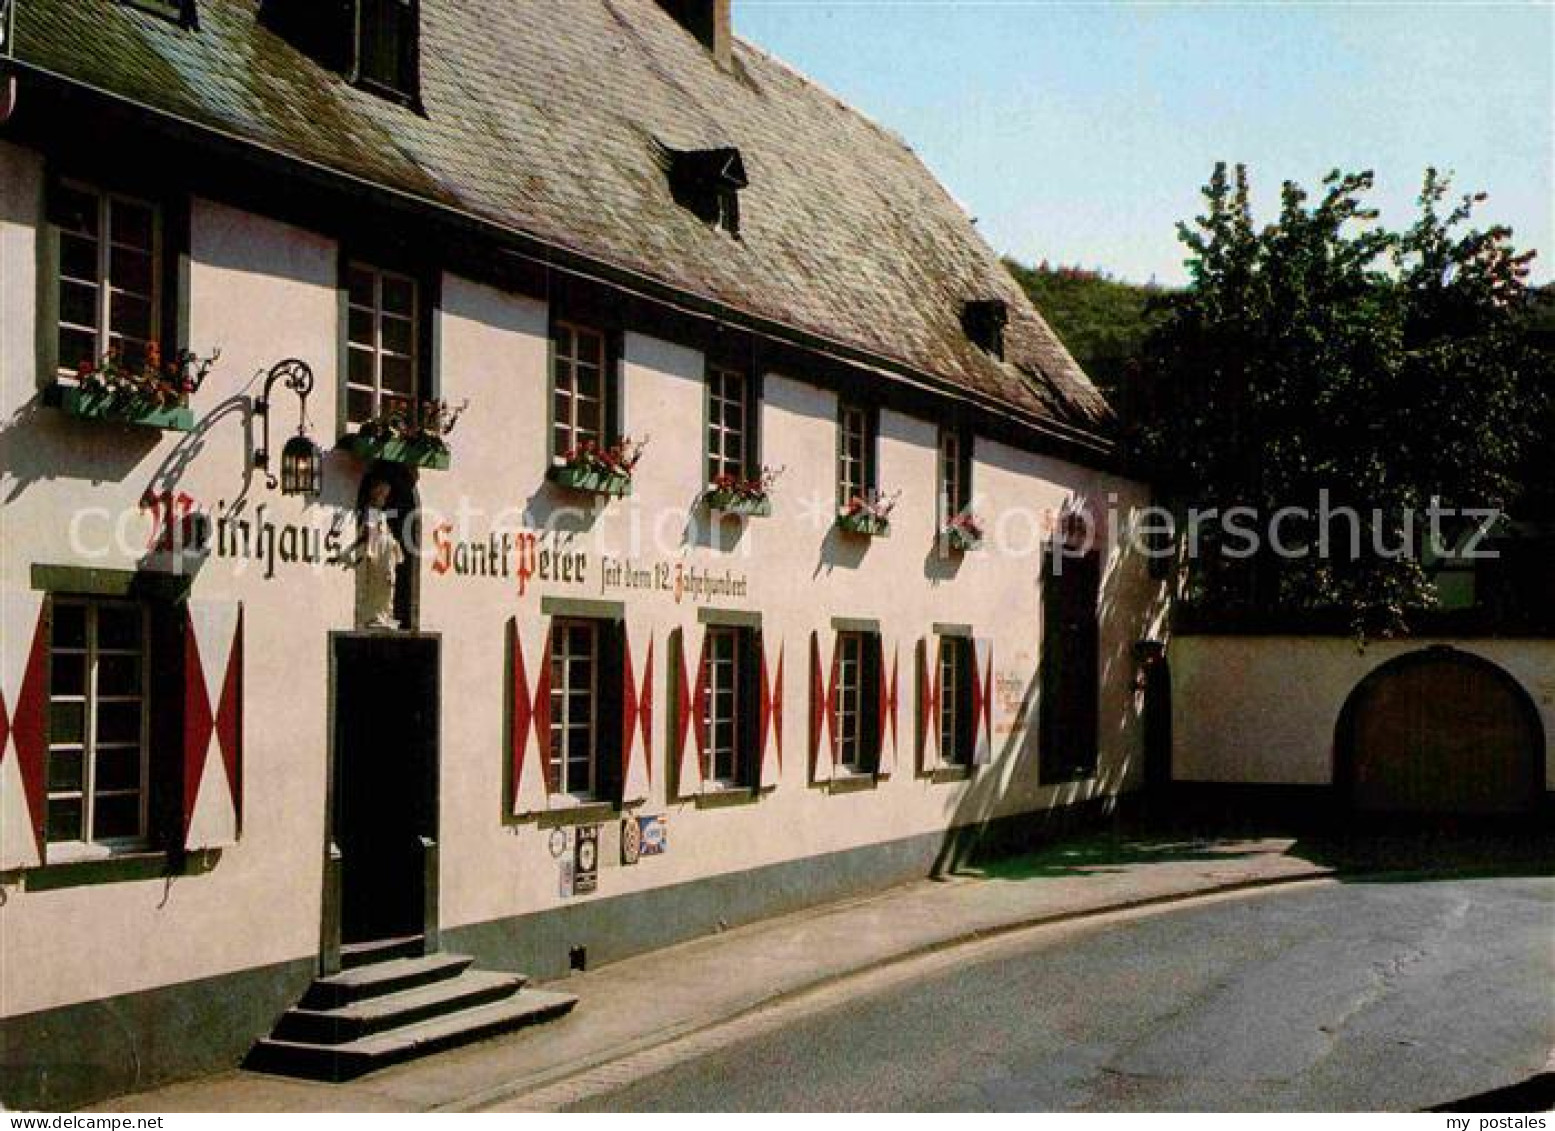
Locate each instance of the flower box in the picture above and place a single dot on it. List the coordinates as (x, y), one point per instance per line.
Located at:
(590, 480)
(864, 523)
(408, 432)
(396, 450)
(734, 502)
(962, 541)
(103, 404)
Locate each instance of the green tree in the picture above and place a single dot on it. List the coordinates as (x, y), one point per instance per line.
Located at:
(1323, 356)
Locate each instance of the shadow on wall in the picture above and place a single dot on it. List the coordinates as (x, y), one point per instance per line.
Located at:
(840, 551)
(709, 530)
(568, 512)
(40, 444)
(1015, 773)
(941, 564)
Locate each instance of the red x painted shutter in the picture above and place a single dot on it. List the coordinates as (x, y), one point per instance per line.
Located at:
(529, 717)
(213, 724)
(520, 718)
(685, 771)
(24, 740)
(636, 720)
(542, 714)
(886, 763)
(873, 677)
(928, 697)
(982, 701)
(769, 742)
(823, 720)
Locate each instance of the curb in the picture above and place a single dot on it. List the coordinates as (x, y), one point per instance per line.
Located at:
(700, 1026)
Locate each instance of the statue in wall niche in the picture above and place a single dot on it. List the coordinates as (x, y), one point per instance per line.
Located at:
(376, 559)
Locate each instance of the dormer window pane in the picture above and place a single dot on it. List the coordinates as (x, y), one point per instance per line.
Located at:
(386, 44)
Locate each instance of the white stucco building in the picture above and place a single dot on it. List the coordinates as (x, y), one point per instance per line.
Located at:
(606, 720)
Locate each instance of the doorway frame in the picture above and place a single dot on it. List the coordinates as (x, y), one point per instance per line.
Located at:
(332, 926)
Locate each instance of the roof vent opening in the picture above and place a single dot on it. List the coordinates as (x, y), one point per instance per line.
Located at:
(374, 44)
(984, 320)
(707, 183)
(709, 21)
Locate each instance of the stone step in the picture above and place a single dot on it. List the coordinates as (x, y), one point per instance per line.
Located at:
(381, 978)
(350, 1059)
(353, 955)
(397, 1010)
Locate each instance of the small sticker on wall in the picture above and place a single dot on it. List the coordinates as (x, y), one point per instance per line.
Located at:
(558, 843)
(585, 856)
(564, 878)
(610, 845)
(654, 834)
(631, 840)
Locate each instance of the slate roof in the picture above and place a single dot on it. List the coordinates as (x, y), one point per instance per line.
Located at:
(544, 116)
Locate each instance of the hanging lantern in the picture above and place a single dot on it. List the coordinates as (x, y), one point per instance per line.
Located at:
(302, 467)
(302, 464)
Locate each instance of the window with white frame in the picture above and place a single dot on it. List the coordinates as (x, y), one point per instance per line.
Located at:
(955, 714)
(855, 453)
(728, 441)
(98, 722)
(854, 699)
(727, 707)
(954, 474)
(575, 706)
(579, 388)
(109, 274)
(382, 329)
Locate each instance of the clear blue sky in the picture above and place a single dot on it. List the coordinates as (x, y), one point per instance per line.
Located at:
(1080, 133)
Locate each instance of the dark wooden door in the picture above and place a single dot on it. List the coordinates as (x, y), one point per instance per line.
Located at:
(1442, 732)
(386, 727)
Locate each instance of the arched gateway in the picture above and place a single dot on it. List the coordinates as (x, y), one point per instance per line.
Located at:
(1439, 731)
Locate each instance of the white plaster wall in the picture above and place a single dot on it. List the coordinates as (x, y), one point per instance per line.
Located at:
(1263, 709)
(261, 291)
(258, 288)
(800, 574)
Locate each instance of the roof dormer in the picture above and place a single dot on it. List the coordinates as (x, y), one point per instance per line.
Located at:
(709, 21)
(984, 320)
(707, 183)
(374, 44)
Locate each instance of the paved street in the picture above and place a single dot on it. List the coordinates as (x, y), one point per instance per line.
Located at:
(1358, 996)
